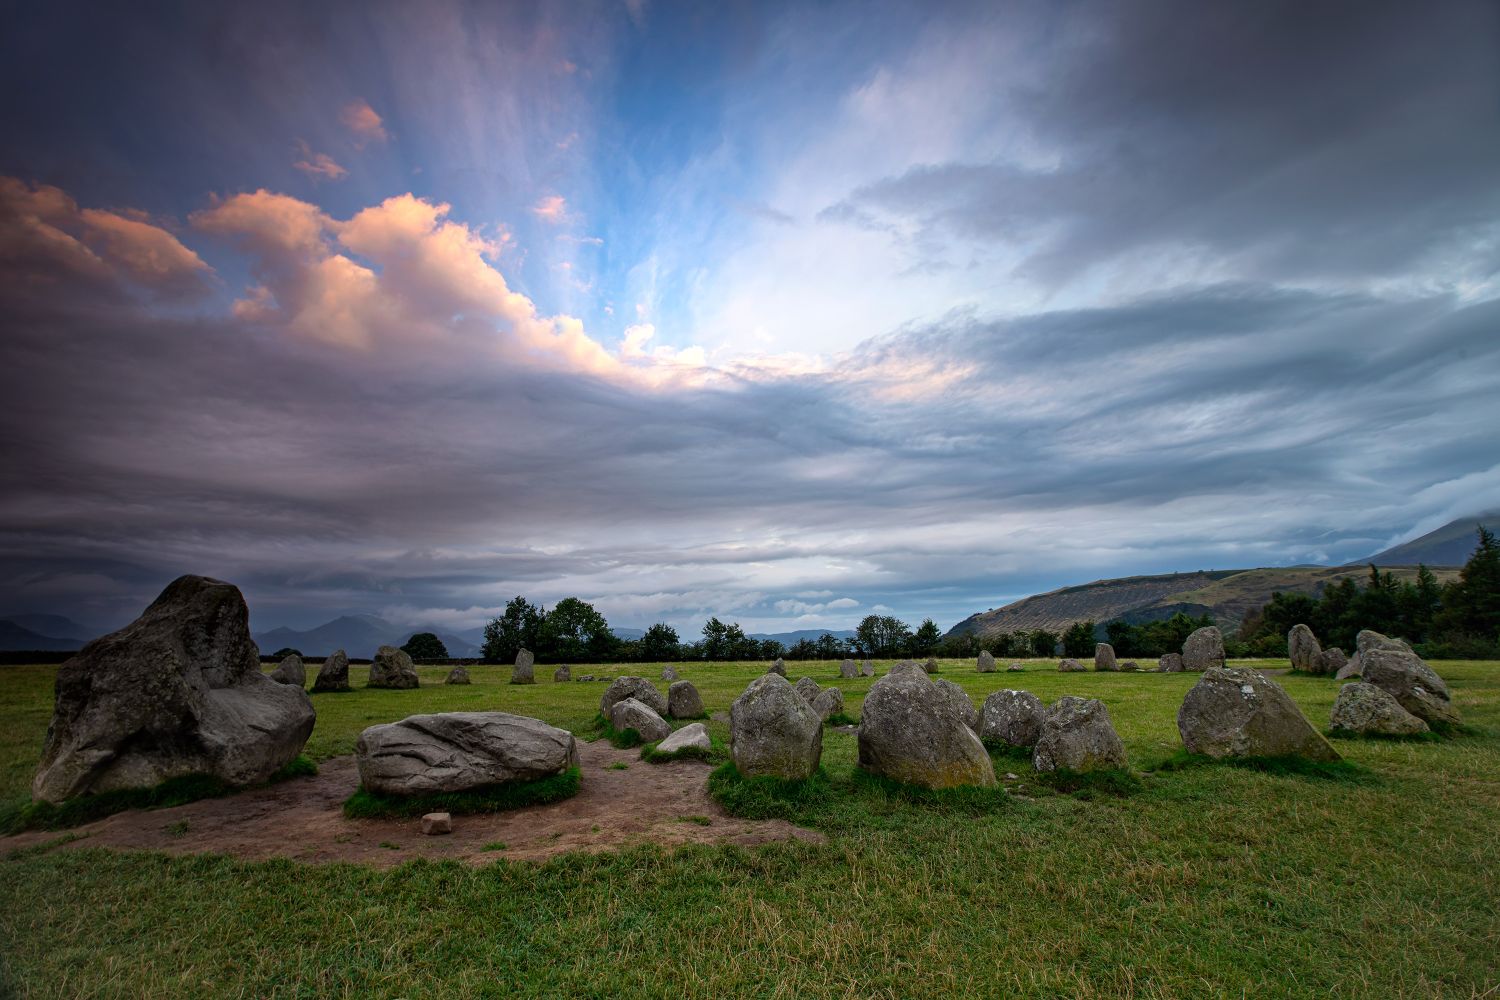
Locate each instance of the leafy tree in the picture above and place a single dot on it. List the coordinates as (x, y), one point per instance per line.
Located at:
(425, 646)
(573, 631)
(830, 647)
(519, 626)
(715, 643)
(1078, 640)
(284, 652)
(924, 641)
(803, 649)
(1471, 604)
(660, 643)
(883, 635)
(1043, 643)
(770, 649)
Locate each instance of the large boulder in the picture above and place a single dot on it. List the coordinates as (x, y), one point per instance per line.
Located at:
(693, 736)
(290, 671)
(1011, 718)
(807, 688)
(1354, 667)
(779, 667)
(1331, 661)
(1170, 663)
(773, 732)
(524, 671)
(460, 751)
(914, 730)
(1303, 649)
(986, 662)
(1077, 735)
(178, 691)
(1404, 676)
(1369, 639)
(1366, 710)
(562, 673)
(333, 675)
(961, 701)
(829, 702)
(848, 670)
(630, 713)
(1203, 649)
(638, 688)
(1104, 657)
(1070, 666)
(683, 701)
(1238, 712)
(458, 675)
(392, 668)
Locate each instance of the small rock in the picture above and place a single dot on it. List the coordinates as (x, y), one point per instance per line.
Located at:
(1016, 667)
(1071, 666)
(563, 673)
(631, 713)
(1077, 735)
(1365, 709)
(333, 675)
(868, 670)
(683, 701)
(669, 673)
(458, 675)
(1011, 777)
(848, 670)
(523, 672)
(392, 668)
(808, 689)
(1171, 663)
(931, 666)
(437, 823)
(1129, 666)
(986, 663)
(290, 671)
(694, 735)
(586, 677)
(1104, 657)
(777, 668)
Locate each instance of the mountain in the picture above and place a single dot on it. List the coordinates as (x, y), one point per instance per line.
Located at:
(1229, 595)
(54, 625)
(14, 637)
(360, 636)
(628, 634)
(788, 638)
(1450, 545)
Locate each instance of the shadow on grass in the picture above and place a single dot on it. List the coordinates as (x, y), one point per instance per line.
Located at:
(364, 804)
(1290, 766)
(1116, 781)
(1340, 734)
(25, 814)
(840, 719)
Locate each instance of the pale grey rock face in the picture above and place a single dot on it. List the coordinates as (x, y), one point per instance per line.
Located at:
(669, 673)
(848, 670)
(1016, 667)
(1203, 649)
(458, 675)
(1237, 712)
(436, 824)
(562, 673)
(1303, 649)
(683, 701)
(1013, 718)
(830, 701)
(333, 675)
(1070, 666)
(460, 751)
(1077, 735)
(913, 730)
(1354, 668)
(1331, 662)
(392, 668)
(1366, 710)
(961, 701)
(778, 667)
(695, 735)
(178, 691)
(630, 713)
(1129, 666)
(524, 672)
(632, 687)
(1404, 676)
(808, 689)
(773, 732)
(868, 670)
(1369, 639)
(986, 663)
(1171, 663)
(1104, 657)
(291, 670)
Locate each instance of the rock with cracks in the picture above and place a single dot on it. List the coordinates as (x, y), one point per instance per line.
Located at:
(631, 713)
(632, 687)
(1104, 657)
(913, 730)
(1012, 718)
(829, 702)
(1363, 709)
(333, 675)
(524, 672)
(694, 736)
(1203, 649)
(392, 668)
(178, 691)
(290, 671)
(961, 701)
(459, 752)
(683, 701)
(1238, 712)
(1077, 735)
(807, 688)
(1304, 650)
(1170, 663)
(1404, 676)
(773, 732)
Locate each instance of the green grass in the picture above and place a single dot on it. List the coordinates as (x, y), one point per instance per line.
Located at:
(1208, 881)
(365, 804)
(717, 753)
(1288, 766)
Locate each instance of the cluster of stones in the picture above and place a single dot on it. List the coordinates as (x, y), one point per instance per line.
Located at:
(1398, 694)
(635, 703)
(1308, 656)
(1202, 650)
(825, 701)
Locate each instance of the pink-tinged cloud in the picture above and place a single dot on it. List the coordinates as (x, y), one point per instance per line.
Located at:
(553, 209)
(319, 166)
(267, 224)
(361, 119)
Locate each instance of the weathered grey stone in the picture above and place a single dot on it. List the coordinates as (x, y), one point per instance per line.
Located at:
(562, 673)
(695, 736)
(1303, 649)
(1404, 676)
(1104, 657)
(773, 732)
(1203, 649)
(1070, 666)
(683, 701)
(524, 671)
(585, 678)
(290, 671)
(1367, 710)
(961, 701)
(1170, 663)
(1016, 667)
(1013, 718)
(808, 689)
(392, 668)
(435, 824)
(1128, 666)
(1331, 661)
(777, 668)
(913, 730)
(333, 675)
(931, 666)
(1369, 639)
(1354, 668)
(178, 691)
(631, 713)
(986, 664)
(868, 670)
(1077, 735)
(669, 673)
(848, 670)
(460, 751)
(1238, 712)
(632, 687)
(458, 675)
(830, 701)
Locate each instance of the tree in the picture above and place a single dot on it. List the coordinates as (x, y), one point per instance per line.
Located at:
(714, 644)
(425, 646)
(803, 649)
(284, 652)
(1078, 640)
(1043, 643)
(574, 631)
(518, 627)
(830, 646)
(924, 641)
(769, 649)
(1471, 604)
(660, 643)
(883, 635)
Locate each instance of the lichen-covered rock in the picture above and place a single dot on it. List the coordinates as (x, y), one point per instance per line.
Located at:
(1104, 657)
(1331, 661)
(961, 701)
(986, 663)
(638, 688)
(1238, 712)
(868, 670)
(773, 732)
(1369, 639)
(669, 673)
(1012, 718)
(460, 751)
(562, 673)
(1303, 649)
(1404, 676)
(290, 671)
(178, 691)
(808, 689)
(1016, 667)
(524, 672)
(913, 730)
(829, 702)
(1070, 666)
(392, 668)
(333, 675)
(931, 665)
(1077, 735)
(1170, 663)
(694, 736)
(1353, 668)
(1128, 666)
(1203, 649)
(630, 713)
(847, 670)
(778, 667)
(683, 701)
(1366, 710)
(458, 675)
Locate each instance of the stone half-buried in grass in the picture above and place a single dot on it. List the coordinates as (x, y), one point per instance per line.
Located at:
(1363, 709)
(457, 752)
(632, 713)
(913, 730)
(1237, 712)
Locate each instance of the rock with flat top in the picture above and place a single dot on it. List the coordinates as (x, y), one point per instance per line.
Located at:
(460, 751)
(436, 824)
(693, 736)
(1104, 657)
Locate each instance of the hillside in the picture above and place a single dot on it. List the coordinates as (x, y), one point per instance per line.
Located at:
(359, 636)
(1228, 595)
(1450, 545)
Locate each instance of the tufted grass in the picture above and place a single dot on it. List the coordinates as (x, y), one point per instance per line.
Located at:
(365, 804)
(1208, 881)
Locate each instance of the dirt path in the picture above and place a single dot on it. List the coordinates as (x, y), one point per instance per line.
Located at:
(303, 819)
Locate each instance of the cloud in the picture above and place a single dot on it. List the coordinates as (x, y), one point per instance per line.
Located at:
(319, 166)
(552, 208)
(358, 117)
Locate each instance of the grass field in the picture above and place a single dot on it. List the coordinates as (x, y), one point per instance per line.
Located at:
(1208, 882)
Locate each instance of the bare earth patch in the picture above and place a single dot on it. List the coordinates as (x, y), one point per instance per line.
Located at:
(303, 819)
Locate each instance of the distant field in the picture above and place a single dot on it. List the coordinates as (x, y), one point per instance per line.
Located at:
(1215, 882)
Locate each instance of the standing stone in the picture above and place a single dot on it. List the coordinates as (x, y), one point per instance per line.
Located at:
(290, 671)
(392, 668)
(830, 701)
(848, 670)
(1104, 657)
(562, 673)
(1238, 712)
(807, 688)
(458, 675)
(1354, 668)
(630, 713)
(523, 672)
(914, 730)
(778, 667)
(333, 675)
(694, 736)
(1070, 666)
(1011, 718)
(178, 691)
(1203, 649)
(1366, 710)
(931, 666)
(683, 701)
(986, 662)
(1404, 676)
(1303, 649)
(1369, 639)
(961, 701)
(1129, 666)
(460, 751)
(1016, 667)
(868, 670)
(638, 688)
(1077, 735)
(1331, 661)
(1170, 663)
(773, 732)
(669, 673)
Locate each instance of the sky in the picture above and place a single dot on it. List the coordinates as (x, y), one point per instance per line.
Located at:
(787, 314)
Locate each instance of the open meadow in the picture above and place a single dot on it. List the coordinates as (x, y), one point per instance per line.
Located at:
(1210, 881)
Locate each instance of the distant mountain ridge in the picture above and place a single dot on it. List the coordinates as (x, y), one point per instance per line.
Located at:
(1450, 545)
(43, 632)
(361, 635)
